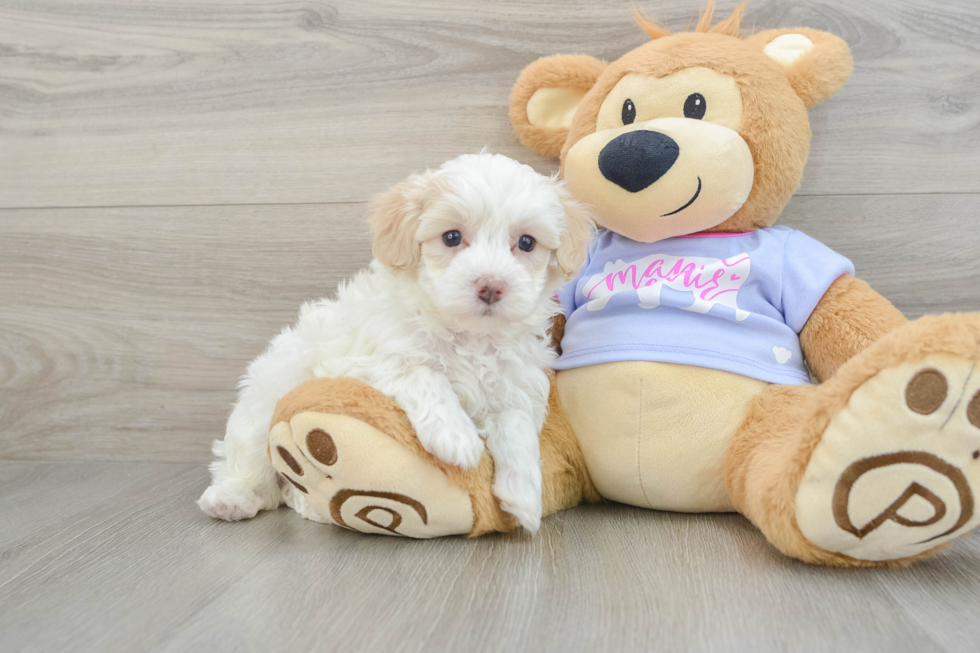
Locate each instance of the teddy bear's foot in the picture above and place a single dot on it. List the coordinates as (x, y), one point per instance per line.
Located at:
(897, 471)
(346, 471)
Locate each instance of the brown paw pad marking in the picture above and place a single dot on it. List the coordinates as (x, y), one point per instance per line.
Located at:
(973, 411)
(289, 460)
(336, 504)
(396, 519)
(298, 486)
(321, 446)
(293, 465)
(856, 470)
(926, 392)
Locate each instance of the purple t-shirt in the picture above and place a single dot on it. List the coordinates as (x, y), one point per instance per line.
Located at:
(733, 302)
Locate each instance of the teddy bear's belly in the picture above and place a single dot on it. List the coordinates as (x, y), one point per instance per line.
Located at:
(655, 435)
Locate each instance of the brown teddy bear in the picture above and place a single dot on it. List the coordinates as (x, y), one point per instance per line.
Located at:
(690, 332)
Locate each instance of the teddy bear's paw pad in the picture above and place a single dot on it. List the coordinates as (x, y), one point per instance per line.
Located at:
(347, 472)
(897, 471)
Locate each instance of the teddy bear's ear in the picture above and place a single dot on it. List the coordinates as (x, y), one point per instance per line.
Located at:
(546, 96)
(816, 63)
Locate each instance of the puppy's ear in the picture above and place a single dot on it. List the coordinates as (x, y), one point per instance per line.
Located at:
(816, 63)
(579, 230)
(545, 97)
(395, 219)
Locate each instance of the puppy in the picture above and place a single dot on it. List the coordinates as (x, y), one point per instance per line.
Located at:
(450, 320)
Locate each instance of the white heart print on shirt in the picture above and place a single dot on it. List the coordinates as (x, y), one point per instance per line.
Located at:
(782, 354)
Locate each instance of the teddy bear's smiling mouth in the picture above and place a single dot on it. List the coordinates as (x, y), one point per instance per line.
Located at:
(689, 202)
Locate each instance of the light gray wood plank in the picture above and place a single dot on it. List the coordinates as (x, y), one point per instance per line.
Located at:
(222, 102)
(931, 598)
(125, 559)
(126, 562)
(920, 251)
(124, 330)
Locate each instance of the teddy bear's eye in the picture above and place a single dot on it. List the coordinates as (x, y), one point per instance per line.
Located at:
(629, 112)
(694, 106)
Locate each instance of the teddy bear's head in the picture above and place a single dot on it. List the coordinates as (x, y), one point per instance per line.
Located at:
(695, 131)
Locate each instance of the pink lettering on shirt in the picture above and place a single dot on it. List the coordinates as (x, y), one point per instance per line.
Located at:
(711, 281)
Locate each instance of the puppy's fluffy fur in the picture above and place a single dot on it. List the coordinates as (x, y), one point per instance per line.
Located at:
(413, 325)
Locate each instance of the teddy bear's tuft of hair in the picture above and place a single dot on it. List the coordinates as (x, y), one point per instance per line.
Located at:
(729, 27)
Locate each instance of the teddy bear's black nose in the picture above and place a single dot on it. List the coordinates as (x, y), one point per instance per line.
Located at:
(638, 158)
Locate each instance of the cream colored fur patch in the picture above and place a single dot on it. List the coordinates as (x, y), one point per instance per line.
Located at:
(655, 435)
(554, 108)
(788, 48)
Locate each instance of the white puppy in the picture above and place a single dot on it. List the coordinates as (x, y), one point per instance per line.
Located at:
(450, 321)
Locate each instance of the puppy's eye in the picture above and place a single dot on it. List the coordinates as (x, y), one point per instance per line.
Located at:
(695, 106)
(452, 238)
(526, 243)
(629, 112)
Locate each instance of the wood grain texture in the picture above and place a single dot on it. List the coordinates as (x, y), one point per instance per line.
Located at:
(109, 556)
(210, 160)
(231, 102)
(124, 330)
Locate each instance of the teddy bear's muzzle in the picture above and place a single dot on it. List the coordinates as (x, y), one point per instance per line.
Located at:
(661, 178)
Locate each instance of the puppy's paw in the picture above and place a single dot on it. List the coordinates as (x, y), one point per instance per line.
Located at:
(231, 501)
(519, 492)
(453, 441)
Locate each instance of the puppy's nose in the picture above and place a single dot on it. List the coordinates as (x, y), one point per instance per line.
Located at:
(638, 158)
(489, 290)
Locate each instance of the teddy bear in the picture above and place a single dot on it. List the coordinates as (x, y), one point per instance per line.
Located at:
(689, 338)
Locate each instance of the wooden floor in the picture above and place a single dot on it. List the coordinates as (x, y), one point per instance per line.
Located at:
(177, 176)
(116, 557)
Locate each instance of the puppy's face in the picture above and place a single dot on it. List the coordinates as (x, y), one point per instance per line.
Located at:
(488, 239)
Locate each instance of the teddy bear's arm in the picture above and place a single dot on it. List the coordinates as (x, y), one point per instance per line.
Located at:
(849, 317)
